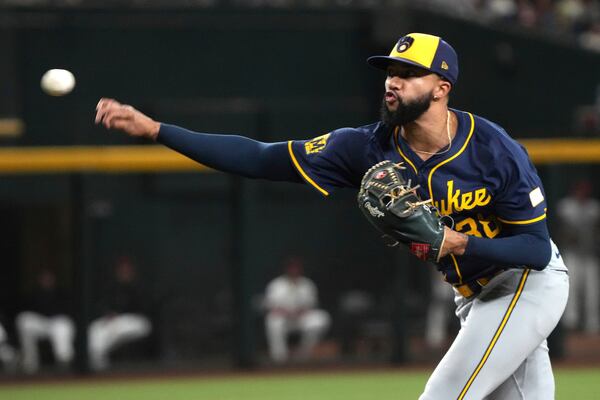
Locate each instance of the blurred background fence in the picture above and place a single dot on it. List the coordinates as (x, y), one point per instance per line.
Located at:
(206, 243)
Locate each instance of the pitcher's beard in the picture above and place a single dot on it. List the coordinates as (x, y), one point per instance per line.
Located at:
(405, 112)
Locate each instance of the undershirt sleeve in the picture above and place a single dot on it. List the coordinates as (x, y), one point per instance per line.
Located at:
(231, 153)
(520, 205)
(527, 245)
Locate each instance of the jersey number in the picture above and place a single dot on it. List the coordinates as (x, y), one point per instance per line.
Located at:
(482, 227)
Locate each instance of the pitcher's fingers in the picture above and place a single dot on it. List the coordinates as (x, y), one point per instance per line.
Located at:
(120, 112)
(119, 123)
(105, 113)
(105, 101)
(107, 121)
(104, 107)
(99, 116)
(107, 117)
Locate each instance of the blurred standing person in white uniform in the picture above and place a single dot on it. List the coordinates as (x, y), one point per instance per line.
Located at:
(579, 216)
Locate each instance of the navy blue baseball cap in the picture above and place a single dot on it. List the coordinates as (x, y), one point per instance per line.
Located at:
(422, 50)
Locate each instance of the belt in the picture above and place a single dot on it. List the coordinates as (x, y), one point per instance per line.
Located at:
(473, 288)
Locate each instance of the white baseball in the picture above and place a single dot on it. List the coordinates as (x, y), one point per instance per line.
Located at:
(58, 82)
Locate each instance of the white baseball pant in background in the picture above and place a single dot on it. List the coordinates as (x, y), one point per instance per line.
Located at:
(33, 327)
(584, 297)
(311, 325)
(107, 333)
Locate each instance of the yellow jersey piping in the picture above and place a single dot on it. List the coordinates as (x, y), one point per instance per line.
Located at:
(453, 157)
(454, 261)
(490, 347)
(304, 175)
(456, 268)
(524, 222)
(400, 151)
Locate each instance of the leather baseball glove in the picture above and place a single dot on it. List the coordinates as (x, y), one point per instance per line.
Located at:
(395, 209)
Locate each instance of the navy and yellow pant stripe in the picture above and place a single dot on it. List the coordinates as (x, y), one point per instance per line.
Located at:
(496, 336)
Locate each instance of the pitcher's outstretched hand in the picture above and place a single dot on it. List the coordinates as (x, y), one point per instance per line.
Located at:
(123, 117)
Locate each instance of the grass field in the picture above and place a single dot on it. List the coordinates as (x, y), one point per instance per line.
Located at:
(575, 384)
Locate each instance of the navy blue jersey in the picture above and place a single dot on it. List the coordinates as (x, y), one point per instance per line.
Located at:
(486, 182)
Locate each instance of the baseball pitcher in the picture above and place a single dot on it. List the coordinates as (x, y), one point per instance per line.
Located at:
(450, 186)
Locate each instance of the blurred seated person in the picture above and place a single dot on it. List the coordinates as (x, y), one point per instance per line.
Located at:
(291, 302)
(122, 316)
(46, 315)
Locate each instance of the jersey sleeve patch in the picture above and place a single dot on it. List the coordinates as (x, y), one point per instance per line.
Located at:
(317, 144)
(536, 196)
(330, 161)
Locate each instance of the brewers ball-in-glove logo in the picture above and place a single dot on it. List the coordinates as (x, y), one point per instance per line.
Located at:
(404, 43)
(394, 208)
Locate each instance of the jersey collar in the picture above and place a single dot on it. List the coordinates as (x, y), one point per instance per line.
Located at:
(413, 160)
